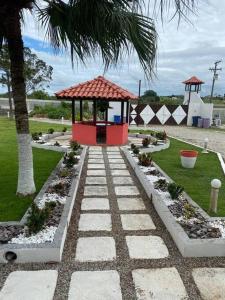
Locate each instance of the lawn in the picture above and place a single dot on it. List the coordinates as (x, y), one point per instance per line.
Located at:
(12, 207)
(196, 182)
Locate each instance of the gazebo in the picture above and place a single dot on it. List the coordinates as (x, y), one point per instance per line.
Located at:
(113, 129)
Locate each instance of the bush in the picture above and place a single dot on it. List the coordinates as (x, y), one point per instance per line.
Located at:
(70, 160)
(161, 135)
(57, 144)
(146, 142)
(51, 130)
(64, 129)
(145, 159)
(175, 190)
(189, 211)
(136, 150)
(36, 218)
(132, 146)
(74, 145)
(35, 136)
(161, 184)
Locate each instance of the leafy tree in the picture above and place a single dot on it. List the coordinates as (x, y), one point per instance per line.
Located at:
(39, 94)
(148, 97)
(110, 28)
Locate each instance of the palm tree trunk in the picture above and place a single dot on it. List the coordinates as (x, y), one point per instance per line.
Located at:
(9, 96)
(26, 184)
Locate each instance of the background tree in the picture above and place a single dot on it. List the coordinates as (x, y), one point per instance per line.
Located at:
(148, 97)
(87, 28)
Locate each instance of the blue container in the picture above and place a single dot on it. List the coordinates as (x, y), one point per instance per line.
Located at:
(195, 120)
(117, 119)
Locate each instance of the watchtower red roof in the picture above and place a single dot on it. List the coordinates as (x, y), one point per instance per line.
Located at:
(193, 80)
(98, 88)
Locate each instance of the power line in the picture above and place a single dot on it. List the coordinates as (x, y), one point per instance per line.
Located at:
(215, 75)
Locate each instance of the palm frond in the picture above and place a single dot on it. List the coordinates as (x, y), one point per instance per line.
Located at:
(112, 28)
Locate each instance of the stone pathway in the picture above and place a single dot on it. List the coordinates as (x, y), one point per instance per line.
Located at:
(116, 248)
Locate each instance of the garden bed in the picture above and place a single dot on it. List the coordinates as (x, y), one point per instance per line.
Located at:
(23, 241)
(195, 233)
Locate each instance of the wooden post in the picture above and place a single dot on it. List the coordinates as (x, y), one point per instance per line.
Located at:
(106, 115)
(94, 111)
(122, 112)
(73, 111)
(81, 110)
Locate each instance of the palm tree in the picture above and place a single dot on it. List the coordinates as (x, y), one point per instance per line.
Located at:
(87, 28)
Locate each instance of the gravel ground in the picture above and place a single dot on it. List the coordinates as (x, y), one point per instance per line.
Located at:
(123, 264)
(194, 135)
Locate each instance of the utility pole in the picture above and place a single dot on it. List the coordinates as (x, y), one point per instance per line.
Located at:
(215, 76)
(139, 91)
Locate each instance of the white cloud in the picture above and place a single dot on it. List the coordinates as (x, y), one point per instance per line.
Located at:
(182, 52)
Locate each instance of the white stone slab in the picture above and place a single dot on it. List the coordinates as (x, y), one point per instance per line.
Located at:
(120, 172)
(95, 203)
(210, 282)
(95, 156)
(95, 191)
(122, 180)
(95, 180)
(112, 149)
(95, 249)
(113, 153)
(130, 204)
(95, 222)
(137, 222)
(96, 173)
(114, 156)
(95, 285)
(95, 152)
(117, 166)
(116, 160)
(96, 161)
(96, 166)
(126, 190)
(27, 285)
(95, 148)
(159, 284)
(146, 247)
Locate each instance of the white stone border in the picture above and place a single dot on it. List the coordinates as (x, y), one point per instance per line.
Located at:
(48, 252)
(188, 247)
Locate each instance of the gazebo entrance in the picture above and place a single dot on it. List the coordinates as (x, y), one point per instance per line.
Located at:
(113, 103)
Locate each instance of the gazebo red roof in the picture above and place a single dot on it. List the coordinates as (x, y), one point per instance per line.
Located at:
(98, 88)
(193, 80)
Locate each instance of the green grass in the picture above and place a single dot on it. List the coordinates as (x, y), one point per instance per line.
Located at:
(12, 207)
(196, 182)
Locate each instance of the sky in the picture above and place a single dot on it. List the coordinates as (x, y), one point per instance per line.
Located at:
(189, 49)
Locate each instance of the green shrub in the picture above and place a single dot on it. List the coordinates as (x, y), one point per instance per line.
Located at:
(51, 130)
(57, 144)
(74, 145)
(70, 160)
(132, 146)
(146, 141)
(36, 218)
(161, 135)
(189, 211)
(35, 136)
(145, 159)
(136, 150)
(161, 184)
(175, 190)
(64, 129)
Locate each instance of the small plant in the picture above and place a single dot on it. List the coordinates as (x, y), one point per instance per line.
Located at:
(35, 136)
(189, 211)
(40, 133)
(132, 146)
(145, 159)
(64, 129)
(51, 130)
(136, 151)
(36, 218)
(64, 173)
(70, 160)
(155, 143)
(74, 145)
(161, 135)
(57, 144)
(175, 190)
(161, 184)
(146, 142)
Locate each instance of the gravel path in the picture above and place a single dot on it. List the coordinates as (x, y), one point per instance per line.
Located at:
(116, 246)
(194, 135)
